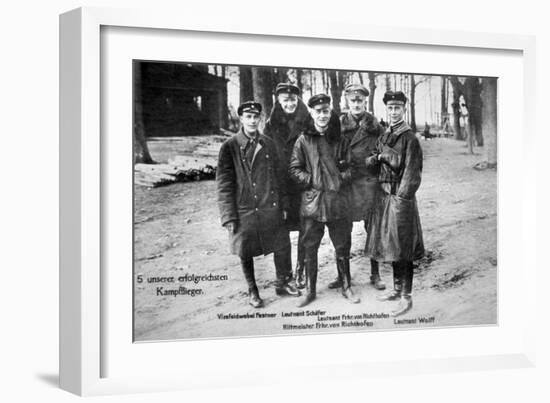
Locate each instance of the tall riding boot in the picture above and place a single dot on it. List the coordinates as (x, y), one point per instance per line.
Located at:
(311, 286)
(395, 294)
(375, 279)
(283, 270)
(342, 264)
(253, 294)
(299, 275)
(338, 281)
(405, 303)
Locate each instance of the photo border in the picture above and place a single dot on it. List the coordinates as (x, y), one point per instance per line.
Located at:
(81, 307)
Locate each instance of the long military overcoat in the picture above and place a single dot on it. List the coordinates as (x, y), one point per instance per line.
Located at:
(253, 196)
(362, 136)
(395, 232)
(284, 130)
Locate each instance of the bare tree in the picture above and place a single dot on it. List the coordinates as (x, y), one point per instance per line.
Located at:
(299, 79)
(472, 95)
(262, 84)
(372, 89)
(457, 92)
(489, 112)
(412, 107)
(336, 80)
(141, 150)
(388, 82)
(246, 92)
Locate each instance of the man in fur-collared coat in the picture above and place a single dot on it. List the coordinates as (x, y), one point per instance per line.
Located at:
(287, 120)
(361, 130)
(252, 201)
(395, 233)
(318, 165)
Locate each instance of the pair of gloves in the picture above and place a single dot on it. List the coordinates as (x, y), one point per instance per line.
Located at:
(388, 156)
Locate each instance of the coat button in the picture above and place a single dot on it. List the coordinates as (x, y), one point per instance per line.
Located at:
(274, 204)
(256, 209)
(254, 184)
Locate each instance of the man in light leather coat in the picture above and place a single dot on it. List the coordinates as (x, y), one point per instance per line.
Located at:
(318, 165)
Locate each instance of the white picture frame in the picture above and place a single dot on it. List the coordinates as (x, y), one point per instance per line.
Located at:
(83, 307)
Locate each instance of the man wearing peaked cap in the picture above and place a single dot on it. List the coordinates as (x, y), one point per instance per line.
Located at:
(353, 90)
(318, 165)
(286, 88)
(395, 233)
(287, 120)
(249, 106)
(252, 200)
(394, 97)
(319, 99)
(361, 130)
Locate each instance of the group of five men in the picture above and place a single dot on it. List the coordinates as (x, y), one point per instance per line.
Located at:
(311, 169)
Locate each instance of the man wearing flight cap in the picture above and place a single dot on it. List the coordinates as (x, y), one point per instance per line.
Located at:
(252, 199)
(318, 165)
(287, 120)
(395, 233)
(361, 130)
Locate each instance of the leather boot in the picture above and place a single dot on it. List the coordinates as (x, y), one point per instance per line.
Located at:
(311, 286)
(342, 264)
(375, 279)
(283, 270)
(253, 294)
(337, 282)
(299, 275)
(405, 303)
(395, 294)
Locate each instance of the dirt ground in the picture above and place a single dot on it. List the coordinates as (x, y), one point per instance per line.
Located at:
(178, 234)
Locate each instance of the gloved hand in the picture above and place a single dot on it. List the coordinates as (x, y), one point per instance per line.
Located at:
(231, 226)
(372, 161)
(390, 157)
(342, 165)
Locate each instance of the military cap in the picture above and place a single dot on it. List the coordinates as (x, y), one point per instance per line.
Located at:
(352, 90)
(249, 106)
(318, 99)
(396, 96)
(285, 88)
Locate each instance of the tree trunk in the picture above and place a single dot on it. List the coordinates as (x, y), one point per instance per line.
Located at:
(299, 80)
(457, 92)
(141, 150)
(412, 107)
(388, 82)
(470, 135)
(335, 90)
(281, 76)
(262, 84)
(245, 84)
(372, 89)
(489, 113)
(472, 95)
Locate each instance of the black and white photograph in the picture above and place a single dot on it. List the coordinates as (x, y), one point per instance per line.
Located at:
(284, 200)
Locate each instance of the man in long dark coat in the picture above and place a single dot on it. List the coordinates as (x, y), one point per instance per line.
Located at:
(252, 201)
(318, 167)
(395, 233)
(361, 130)
(287, 120)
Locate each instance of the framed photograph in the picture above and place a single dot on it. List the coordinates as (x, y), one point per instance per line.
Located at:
(239, 203)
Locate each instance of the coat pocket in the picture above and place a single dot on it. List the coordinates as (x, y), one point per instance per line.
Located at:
(310, 202)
